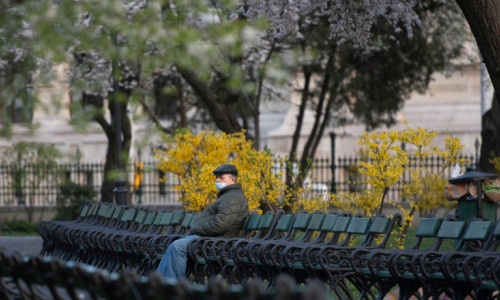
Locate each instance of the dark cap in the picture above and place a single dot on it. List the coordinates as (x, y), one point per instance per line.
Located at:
(226, 169)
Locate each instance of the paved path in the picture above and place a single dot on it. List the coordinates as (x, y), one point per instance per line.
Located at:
(26, 245)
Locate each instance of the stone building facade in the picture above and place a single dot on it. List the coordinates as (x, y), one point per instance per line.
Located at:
(453, 105)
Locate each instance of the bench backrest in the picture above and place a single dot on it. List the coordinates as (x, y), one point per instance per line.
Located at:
(251, 225)
(84, 211)
(138, 219)
(176, 220)
(103, 209)
(316, 221)
(253, 222)
(300, 223)
(150, 218)
(163, 223)
(116, 215)
(107, 215)
(166, 219)
(100, 213)
(267, 223)
(140, 216)
(475, 235)
(357, 226)
(341, 224)
(302, 220)
(328, 222)
(92, 213)
(449, 230)
(326, 227)
(314, 226)
(159, 215)
(381, 226)
(185, 225)
(127, 217)
(494, 238)
(282, 227)
(427, 229)
(117, 212)
(339, 228)
(110, 211)
(186, 222)
(177, 217)
(155, 225)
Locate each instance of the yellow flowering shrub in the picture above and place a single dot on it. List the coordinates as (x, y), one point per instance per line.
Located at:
(386, 164)
(365, 201)
(496, 163)
(433, 199)
(193, 157)
(422, 177)
(310, 204)
(297, 197)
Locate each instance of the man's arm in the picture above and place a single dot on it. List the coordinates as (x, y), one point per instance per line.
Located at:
(216, 224)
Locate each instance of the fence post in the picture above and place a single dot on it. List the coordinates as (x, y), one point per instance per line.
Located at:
(476, 159)
(332, 137)
(120, 192)
(138, 177)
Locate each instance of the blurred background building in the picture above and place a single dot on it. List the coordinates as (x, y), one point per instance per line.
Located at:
(453, 105)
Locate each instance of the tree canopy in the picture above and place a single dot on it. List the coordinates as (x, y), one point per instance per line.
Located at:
(358, 59)
(17, 67)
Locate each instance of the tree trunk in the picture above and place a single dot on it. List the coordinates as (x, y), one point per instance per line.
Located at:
(490, 135)
(111, 164)
(220, 114)
(484, 20)
(292, 158)
(182, 104)
(321, 117)
(256, 118)
(108, 183)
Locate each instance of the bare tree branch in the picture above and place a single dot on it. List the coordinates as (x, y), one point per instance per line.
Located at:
(154, 117)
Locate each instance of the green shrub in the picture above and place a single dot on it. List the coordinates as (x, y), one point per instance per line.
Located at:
(71, 198)
(18, 227)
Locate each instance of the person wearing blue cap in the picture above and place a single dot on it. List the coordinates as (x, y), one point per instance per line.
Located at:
(223, 218)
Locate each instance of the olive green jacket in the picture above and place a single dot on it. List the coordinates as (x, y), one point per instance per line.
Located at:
(225, 216)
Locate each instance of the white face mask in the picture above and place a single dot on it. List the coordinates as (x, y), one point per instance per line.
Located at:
(220, 185)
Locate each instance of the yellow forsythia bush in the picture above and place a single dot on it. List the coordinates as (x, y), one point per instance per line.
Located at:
(193, 157)
(365, 202)
(388, 161)
(496, 163)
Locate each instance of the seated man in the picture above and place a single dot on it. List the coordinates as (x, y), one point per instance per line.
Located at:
(223, 218)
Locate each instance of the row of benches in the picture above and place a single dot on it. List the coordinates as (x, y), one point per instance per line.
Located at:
(347, 252)
(113, 237)
(281, 251)
(471, 268)
(45, 278)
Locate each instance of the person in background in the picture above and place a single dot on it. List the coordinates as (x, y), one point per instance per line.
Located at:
(223, 218)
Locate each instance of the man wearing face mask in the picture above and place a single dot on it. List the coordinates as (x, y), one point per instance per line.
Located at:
(223, 218)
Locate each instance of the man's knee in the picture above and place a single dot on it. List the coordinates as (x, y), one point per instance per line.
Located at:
(180, 245)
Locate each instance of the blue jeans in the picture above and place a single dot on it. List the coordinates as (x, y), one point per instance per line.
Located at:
(174, 261)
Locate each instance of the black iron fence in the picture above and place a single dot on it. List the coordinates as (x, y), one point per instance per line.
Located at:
(35, 186)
